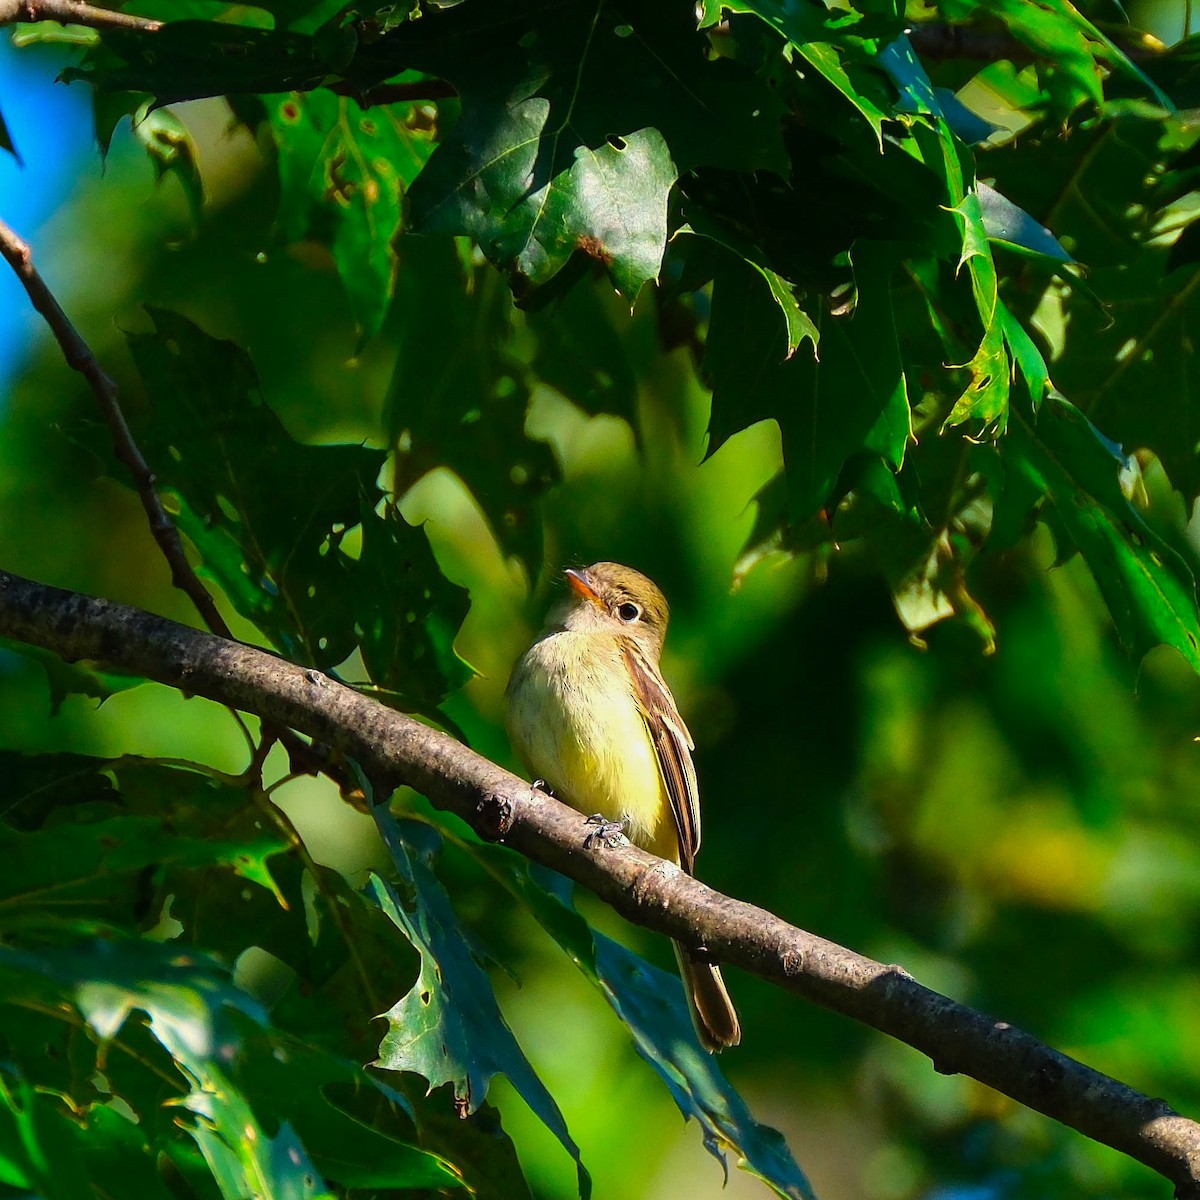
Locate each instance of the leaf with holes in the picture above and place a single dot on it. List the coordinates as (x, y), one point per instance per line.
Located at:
(610, 205)
(408, 612)
(576, 119)
(343, 173)
(267, 514)
(459, 394)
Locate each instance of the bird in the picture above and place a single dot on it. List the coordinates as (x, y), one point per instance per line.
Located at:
(589, 713)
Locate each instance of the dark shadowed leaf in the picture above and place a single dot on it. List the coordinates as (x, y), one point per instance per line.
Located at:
(188, 59)
(853, 401)
(267, 514)
(576, 119)
(460, 394)
(408, 612)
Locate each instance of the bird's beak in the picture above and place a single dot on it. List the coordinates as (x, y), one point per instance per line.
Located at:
(579, 581)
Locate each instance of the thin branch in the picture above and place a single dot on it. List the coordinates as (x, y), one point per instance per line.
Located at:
(72, 12)
(79, 356)
(648, 891)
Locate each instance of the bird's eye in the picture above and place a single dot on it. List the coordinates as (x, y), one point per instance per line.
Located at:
(628, 612)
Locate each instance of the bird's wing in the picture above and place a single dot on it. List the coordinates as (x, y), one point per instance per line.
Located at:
(672, 746)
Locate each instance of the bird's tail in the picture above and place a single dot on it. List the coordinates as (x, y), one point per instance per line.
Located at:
(713, 1014)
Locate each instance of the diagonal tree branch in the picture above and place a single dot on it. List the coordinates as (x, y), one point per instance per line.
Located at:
(645, 889)
(72, 12)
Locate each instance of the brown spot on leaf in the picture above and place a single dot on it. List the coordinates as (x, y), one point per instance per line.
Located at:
(593, 247)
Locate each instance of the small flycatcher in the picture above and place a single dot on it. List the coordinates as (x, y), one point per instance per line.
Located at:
(590, 713)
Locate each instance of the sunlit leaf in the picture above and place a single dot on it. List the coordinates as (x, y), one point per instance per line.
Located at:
(1148, 587)
(343, 174)
(172, 151)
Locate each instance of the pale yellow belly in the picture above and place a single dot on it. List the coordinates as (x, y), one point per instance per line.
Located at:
(580, 730)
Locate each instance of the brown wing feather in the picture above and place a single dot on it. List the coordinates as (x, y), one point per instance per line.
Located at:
(672, 746)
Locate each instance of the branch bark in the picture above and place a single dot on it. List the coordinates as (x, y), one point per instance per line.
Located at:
(648, 891)
(72, 12)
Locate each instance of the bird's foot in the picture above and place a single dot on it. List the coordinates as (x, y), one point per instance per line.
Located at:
(607, 833)
(540, 785)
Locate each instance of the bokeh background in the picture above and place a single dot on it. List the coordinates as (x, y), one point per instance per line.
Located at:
(1020, 830)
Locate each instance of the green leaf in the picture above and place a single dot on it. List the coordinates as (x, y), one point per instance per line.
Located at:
(853, 401)
(172, 151)
(80, 678)
(576, 119)
(1063, 37)
(408, 612)
(653, 1010)
(460, 394)
(448, 1028)
(343, 172)
(799, 323)
(609, 205)
(820, 36)
(229, 1066)
(1148, 587)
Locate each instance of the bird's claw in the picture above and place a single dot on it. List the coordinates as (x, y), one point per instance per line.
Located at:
(607, 833)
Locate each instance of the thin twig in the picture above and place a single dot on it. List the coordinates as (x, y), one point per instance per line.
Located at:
(80, 358)
(308, 759)
(73, 12)
(653, 893)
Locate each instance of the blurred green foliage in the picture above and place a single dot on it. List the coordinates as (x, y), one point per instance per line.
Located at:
(863, 430)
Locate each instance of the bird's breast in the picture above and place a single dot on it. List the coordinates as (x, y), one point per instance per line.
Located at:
(573, 718)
